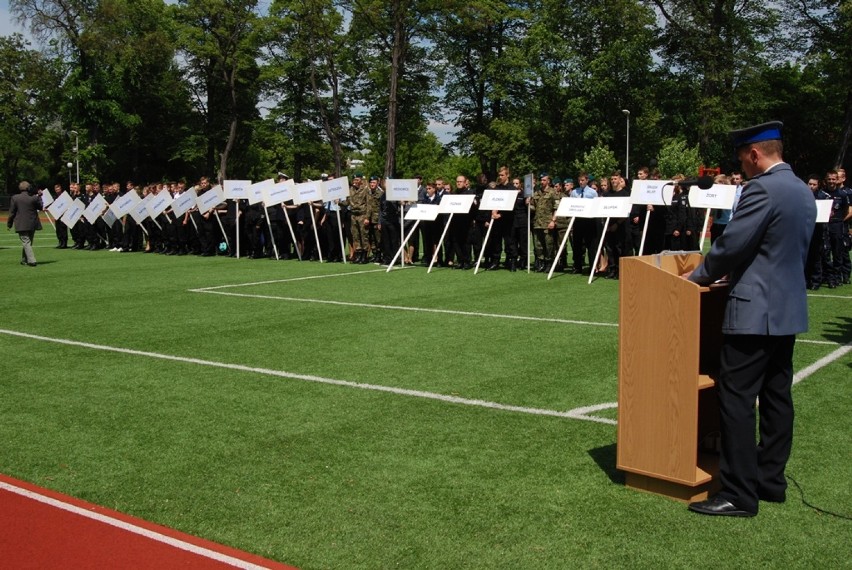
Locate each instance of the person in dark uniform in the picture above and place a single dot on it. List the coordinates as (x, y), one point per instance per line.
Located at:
(763, 252)
(61, 228)
(835, 229)
(818, 250)
(502, 235)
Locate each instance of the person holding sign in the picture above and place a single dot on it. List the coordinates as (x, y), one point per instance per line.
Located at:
(504, 222)
(818, 250)
(763, 252)
(584, 234)
(61, 228)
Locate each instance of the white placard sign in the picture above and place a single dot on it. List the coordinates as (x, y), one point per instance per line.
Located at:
(307, 192)
(255, 191)
(655, 192)
(424, 212)
(614, 207)
(823, 211)
(158, 204)
(74, 212)
(718, 196)
(124, 204)
(184, 202)
(456, 203)
(140, 211)
(336, 189)
(498, 200)
(278, 193)
(578, 208)
(46, 199)
(210, 199)
(109, 217)
(237, 189)
(58, 206)
(403, 190)
(94, 209)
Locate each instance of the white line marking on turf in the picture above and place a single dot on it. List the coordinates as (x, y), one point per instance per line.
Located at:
(582, 413)
(132, 528)
(233, 285)
(406, 308)
(822, 362)
(317, 379)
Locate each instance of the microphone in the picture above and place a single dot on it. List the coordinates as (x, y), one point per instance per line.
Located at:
(703, 182)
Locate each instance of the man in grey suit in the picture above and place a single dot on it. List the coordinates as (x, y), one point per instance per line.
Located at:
(763, 253)
(23, 213)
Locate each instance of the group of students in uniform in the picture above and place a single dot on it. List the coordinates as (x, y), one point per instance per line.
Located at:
(828, 262)
(372, 226)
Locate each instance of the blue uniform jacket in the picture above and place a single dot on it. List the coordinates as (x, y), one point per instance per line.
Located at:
(763, 251)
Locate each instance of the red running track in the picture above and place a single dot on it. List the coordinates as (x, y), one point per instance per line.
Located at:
(41, 529)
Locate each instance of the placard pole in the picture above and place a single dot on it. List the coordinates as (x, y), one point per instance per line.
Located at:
(271, 235)
(594, 268)
(704, 229)
(222, 228)
(49, 219)
(237, 226)
(292, 233)
(561, 247)
(484, 245)
(440, 242)
(340, 232)
(316, 234)
(402, 247)
(644, 231)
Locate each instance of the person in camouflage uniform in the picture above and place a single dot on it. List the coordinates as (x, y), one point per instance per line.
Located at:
(374, 229)
(543, 206)
(561, 225)
(360, 208)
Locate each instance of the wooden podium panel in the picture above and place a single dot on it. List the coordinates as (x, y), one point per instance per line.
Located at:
(669, 340)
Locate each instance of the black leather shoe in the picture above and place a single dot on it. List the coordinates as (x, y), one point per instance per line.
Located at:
(719, 506)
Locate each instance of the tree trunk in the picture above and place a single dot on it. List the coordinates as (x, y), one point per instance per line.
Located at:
(397, 57)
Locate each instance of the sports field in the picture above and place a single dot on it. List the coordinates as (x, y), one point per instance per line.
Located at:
(338, 416)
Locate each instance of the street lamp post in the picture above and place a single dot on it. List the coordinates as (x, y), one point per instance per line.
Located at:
(627, 154)
(76, 153)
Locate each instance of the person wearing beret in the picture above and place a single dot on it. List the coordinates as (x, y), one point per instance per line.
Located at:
(23, 215)
(762, 252)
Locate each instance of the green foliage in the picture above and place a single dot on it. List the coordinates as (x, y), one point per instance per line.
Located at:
(28, 85)
(678, 158)
(599, 162)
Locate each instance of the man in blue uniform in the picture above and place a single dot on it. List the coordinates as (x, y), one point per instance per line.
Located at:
(763, 253)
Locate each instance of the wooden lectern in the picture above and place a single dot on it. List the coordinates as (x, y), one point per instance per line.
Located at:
(669, 341)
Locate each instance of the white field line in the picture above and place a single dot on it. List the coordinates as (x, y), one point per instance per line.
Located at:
(318, 379)
(132, 528)
(582, 413)
(822, 362)
(406, 308)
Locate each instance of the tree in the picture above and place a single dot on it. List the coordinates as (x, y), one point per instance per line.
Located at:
(709, 47)
(824, 27)
(28, 86)
(387, 39)
(219, 45)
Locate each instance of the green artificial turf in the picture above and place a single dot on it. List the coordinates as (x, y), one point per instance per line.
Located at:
(336, 476)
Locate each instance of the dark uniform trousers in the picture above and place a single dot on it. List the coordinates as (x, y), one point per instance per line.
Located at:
(747, 471)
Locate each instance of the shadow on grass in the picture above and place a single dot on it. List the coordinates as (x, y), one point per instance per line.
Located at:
(605, 458)
(839, 330)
